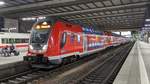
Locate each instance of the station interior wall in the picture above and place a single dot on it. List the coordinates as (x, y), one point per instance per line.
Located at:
(11, 23)
(21, 26)
(25, 26)
(1, 23)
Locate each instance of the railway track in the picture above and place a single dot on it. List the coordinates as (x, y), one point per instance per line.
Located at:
(106, 72)
(27, 76)
(36, 75)
(100, 62)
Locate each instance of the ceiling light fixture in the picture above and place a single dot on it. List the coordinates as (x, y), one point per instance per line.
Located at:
(147, 25)
(2, 3)
(147, 20)
(32, 18)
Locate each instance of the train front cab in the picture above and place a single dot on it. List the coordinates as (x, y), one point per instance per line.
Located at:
(62, 42)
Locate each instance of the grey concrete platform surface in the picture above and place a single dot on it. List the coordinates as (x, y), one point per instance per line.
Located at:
(136, 68)
(12, 59)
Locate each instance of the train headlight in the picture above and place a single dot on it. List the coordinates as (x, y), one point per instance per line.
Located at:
(31, 47)
(45, 47)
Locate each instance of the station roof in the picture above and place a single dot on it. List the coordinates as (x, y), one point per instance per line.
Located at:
(107, 14)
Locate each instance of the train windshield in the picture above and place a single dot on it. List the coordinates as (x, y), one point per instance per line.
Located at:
(40, 33)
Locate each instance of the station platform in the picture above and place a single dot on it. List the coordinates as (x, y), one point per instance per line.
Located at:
(12, 58)
(136, 68)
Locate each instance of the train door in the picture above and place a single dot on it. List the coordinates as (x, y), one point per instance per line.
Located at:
(63, 40)
(84, 43)
(67, 43)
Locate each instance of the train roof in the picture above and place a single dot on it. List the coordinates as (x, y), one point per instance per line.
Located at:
(14, 35)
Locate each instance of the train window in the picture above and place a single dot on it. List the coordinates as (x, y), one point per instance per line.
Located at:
(63, 40)
(72, 37)
(11, 40)
(26, 40)
(78, 37)
(7, 40)
(3, 40)
(18, 41)
(14, 40)
(21, 40)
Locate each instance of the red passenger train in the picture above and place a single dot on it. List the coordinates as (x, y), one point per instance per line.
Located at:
(55, 42)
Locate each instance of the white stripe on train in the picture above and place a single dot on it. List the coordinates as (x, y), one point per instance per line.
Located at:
(74, 53)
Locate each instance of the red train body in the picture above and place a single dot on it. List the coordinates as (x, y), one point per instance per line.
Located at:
(52, 42)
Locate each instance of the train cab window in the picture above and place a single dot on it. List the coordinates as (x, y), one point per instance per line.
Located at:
(41, 32)
(63, 40)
